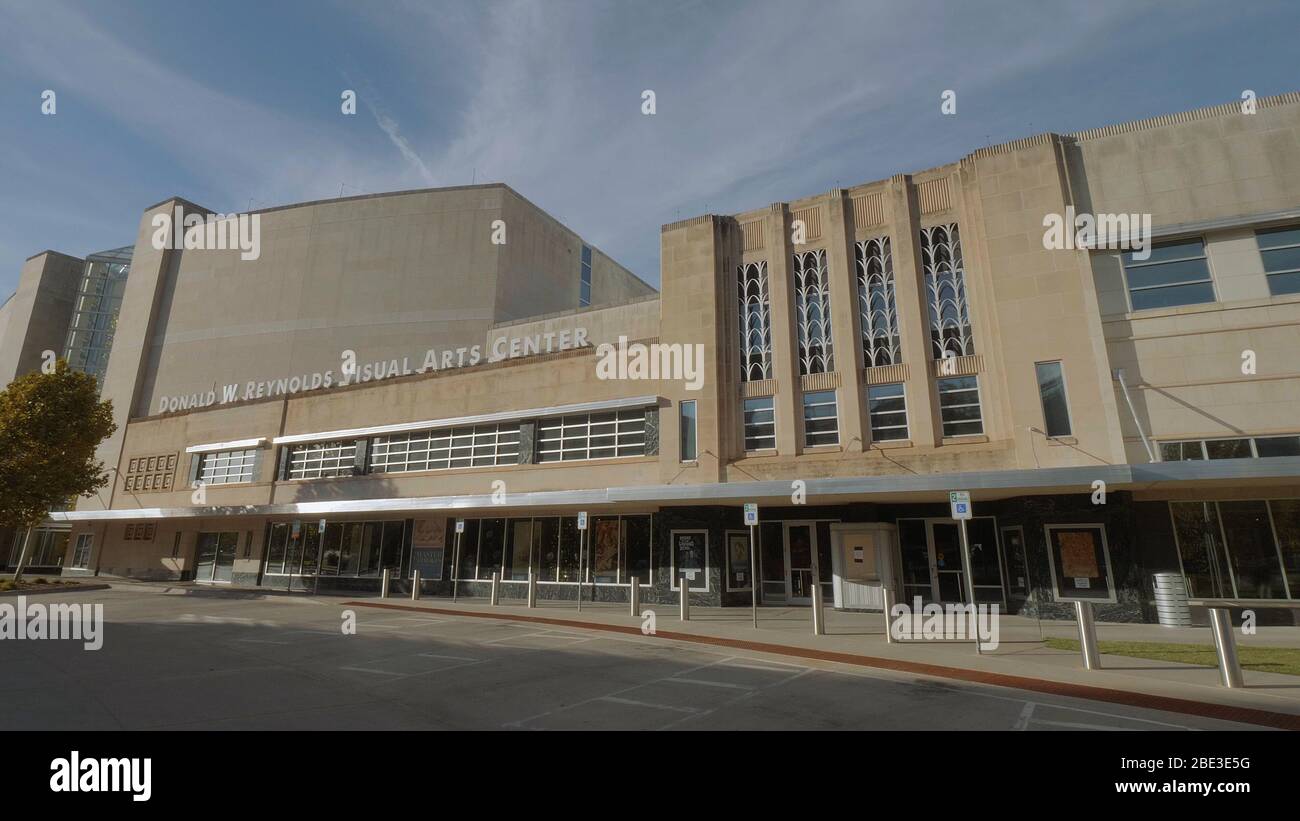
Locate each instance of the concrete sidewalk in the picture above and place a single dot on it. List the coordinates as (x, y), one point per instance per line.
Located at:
(1021, 660)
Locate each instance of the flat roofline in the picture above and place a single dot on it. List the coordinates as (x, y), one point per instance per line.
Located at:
(586, 309)
(983, 485)
(55, 253)
(483, 186)
(1159, 121)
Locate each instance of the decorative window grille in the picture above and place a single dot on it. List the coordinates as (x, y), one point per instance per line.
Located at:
(322, 460)
(592, 436)
(470, 446)
(876, 303)
(755, 322)
(227, 467)
(945, 284)
(812, 306)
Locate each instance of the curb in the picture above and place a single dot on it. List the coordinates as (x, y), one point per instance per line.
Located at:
(1171, 704)
(81, 588)
(251, 593)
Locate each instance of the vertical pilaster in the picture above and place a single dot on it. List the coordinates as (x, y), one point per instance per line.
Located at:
(691, 260)
(788, 401)
(846, 328)
(903, 217)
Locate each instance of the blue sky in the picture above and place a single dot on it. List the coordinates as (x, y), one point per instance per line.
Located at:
(231, 104)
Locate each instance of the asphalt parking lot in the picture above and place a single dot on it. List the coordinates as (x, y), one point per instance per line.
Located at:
(215, 660)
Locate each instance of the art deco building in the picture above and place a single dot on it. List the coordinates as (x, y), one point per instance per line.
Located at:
(1119, 407)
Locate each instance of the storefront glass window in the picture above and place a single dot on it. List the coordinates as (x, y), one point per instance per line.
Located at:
(546, 544)
(1200, 545)
(1286, 524)
(636, 549)
(1254, 557)
(491, 540)
(569, 539)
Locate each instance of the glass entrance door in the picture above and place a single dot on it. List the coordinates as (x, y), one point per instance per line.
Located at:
(945, 541)
(932, 560)
(214, 559)
(1017, 571)
(800, 544)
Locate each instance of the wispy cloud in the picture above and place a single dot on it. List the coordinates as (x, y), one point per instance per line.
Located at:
(756, 102)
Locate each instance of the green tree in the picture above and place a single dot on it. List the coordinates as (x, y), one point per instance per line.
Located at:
(50, 427)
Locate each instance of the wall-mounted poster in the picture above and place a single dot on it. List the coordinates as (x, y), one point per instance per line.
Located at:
(1078, 554)
(738, 561)
(430, 532)
(1080, 561)
(428, 543)
(690, 549)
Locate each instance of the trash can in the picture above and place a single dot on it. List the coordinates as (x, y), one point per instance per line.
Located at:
(1172, 608)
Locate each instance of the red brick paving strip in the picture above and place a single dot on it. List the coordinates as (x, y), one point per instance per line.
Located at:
(1223, 712)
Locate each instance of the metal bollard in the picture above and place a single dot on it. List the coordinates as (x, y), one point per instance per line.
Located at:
(1087, 635)
(819, 612)
(383, 585)
(634, 597)
(532, 589)
(496, 589)
(889, 619)
(415, 585)
(686, 600)
(1226, 646)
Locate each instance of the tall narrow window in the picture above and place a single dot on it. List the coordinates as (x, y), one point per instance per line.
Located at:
(688, 430)
(959, 406)
(887, 408)
(820, 419)
(584, 293)
(81, 555)
(755, 322)
(945, 285)
(880, 339)
(760, 424)
(1051, 390)
(1280, 249)
(812, 312)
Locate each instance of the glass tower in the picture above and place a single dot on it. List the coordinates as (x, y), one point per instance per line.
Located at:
(94, 319)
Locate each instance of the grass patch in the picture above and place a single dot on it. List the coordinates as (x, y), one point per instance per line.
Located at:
(1261, 659)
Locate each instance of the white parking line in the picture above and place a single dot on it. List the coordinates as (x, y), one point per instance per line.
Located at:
(707, 683)
(788, 669)
(1022, 723)
(372, 670)
(554, 636)
(452, 658)
(520, 724)
(634, 703)
(1074, 725)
